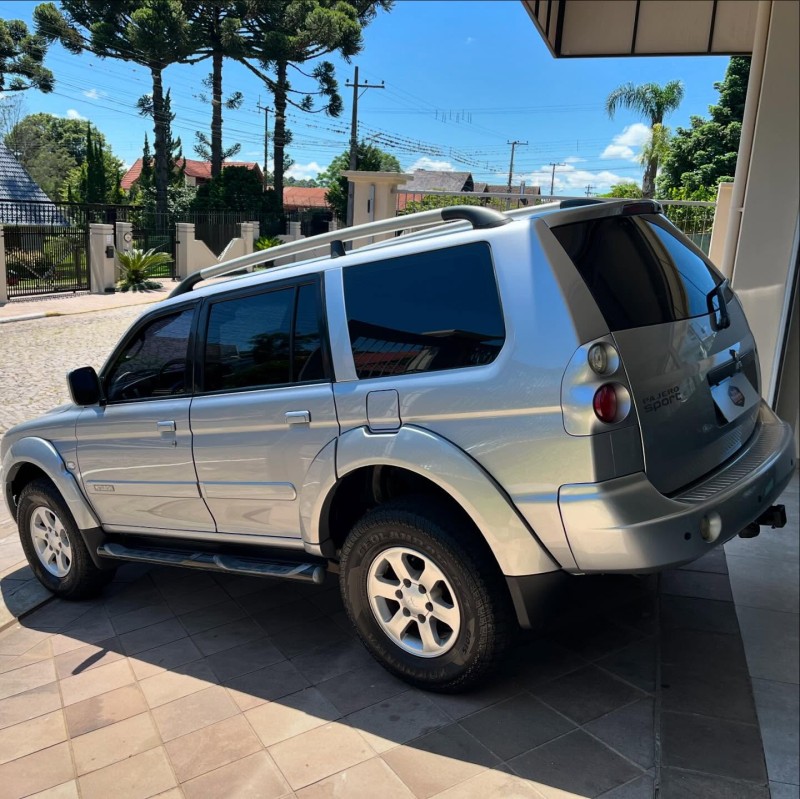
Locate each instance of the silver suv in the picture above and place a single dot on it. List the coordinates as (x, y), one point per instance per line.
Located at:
(451, 420)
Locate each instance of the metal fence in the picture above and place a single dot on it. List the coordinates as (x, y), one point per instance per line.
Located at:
(695, 219)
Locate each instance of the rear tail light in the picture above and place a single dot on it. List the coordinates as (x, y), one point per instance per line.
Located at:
(611, 403)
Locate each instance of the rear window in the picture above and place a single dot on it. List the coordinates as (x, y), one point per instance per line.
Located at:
(638, 271)
(420, 313)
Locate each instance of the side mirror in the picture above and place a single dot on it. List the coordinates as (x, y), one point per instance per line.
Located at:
(84, 386)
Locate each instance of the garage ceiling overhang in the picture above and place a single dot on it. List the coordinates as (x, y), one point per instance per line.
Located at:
(580, 28)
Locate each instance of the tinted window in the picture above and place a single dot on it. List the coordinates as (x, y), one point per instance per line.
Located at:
(154, 362)
(436, 310)
(247, 343)
(249, 340)
(308, 364)
(639, 272)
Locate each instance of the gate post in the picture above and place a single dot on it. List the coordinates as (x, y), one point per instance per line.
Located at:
(3, 282)
(256, 225)
(123, 236)
(184, 236)
(101, 263)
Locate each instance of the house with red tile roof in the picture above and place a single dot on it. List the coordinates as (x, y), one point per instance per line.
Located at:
(195, 172)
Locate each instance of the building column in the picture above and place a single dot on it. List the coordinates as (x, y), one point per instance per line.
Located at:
(765, 258)
(374, 198)
(3, 283)
(102, 263)
(184, 236)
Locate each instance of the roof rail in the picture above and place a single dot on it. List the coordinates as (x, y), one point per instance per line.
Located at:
(479, 217)
(577, 202)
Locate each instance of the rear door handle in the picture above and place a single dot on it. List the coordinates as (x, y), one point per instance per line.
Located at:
(165, 427)
(297, 417)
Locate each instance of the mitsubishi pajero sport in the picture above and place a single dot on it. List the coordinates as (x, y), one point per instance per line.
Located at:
(447, 419)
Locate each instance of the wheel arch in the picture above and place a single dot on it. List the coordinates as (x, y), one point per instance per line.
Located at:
(32, 457)
(353, 467)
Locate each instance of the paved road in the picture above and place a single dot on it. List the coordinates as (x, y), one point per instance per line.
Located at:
(35, 356)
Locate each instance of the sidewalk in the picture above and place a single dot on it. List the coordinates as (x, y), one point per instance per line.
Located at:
(26, 308)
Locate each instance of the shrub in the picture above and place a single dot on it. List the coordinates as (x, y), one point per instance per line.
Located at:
(138, 267)
(265, 242)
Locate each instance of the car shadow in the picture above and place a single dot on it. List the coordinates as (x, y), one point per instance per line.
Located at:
(289, 660)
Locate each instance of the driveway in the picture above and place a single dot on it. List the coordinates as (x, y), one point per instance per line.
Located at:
(178, 683)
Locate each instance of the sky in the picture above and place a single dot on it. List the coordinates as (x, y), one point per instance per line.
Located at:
(462, 80)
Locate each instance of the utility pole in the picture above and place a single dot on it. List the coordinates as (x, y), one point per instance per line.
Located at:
(354, 136)
(511, 164)
(266, 110)
(589, 188)
(553, 176)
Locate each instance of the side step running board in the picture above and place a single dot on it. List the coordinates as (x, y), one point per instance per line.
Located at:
(209, 561)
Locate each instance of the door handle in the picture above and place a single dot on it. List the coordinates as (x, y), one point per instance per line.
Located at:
(165, 427)
(297, 417)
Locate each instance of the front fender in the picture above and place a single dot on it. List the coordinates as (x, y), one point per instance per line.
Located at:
(513, 543)
(43, 455)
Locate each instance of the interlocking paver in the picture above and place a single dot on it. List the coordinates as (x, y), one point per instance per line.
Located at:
(211, 747)
(359, 782)
(255, 775)
(100, 748)
(575, 763)
(100, 711)
(96, 681)
(27, 678)
(274, 722)
(438, 761)
(629, 731)
(314, 755)
(31, 736)
(171, 685)
(193, 712)
(138, 777)
(29, 704)
(36, 772)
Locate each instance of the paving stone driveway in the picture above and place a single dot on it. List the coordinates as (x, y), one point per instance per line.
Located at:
(178, 683)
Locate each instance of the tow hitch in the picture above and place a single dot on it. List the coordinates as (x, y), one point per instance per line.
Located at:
(774, 516)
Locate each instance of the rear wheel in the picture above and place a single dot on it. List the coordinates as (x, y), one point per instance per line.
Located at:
(426, 600)
(54, 546)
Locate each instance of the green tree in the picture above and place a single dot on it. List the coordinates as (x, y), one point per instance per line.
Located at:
(51, 148)
(236, 188)
(287, 34)
(216, 32)
(368, 159)
(704, 154)
(22, 59)
(152, 33)
(653, 103)
(625, 190)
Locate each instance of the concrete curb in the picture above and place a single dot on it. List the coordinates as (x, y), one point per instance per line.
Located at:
(28, 316)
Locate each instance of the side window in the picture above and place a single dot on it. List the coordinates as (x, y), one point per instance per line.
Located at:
(249, 340)
(426, 312)
(155, 363)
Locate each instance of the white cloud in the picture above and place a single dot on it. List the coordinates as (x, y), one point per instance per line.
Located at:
(573, 182)
(432, 164)
(624, 146)
(73, 114)
(304, 171)
(94, 94)
(574, 159)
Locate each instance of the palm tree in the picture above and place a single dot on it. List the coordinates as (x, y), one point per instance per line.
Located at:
(653, 102)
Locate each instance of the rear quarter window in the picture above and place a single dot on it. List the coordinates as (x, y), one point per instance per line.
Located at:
(638, 269)
(426, 312)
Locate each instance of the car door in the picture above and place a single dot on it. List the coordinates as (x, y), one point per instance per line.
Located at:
(264, 408)
(135, 449)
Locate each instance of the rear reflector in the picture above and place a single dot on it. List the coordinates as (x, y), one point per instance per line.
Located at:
(605, 403)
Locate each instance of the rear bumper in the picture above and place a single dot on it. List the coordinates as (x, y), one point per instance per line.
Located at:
(626, 525)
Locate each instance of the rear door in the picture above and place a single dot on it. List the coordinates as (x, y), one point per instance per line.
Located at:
(684, 341)
(265, 405)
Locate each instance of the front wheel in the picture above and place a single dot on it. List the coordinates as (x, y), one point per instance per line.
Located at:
(424, 594)
(54, 546)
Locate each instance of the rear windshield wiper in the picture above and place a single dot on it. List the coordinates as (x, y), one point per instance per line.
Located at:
(724, 320)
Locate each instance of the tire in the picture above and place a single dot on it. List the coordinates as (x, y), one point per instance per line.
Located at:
(423, 541)
(45, 525)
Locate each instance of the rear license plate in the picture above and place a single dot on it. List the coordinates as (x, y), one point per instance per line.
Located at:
(734, 396)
